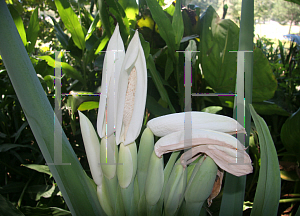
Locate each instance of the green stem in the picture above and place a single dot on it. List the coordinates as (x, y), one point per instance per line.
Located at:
(234, 188)
(78, 190)
(289, 200)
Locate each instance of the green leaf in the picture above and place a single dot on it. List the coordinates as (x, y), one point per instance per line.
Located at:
(88, 105)
(219, 65)
(92, 26)
(218, 38)
(269, 108)
(19, 23)
(164, 26)
(18, 133)
(158, 82)
(116, 9)
(290, 134)
(212, 109)
(234, 188)
(155, 108)
(79, 98)
(145, 45)
(7, 208)
(66, 68)
(43, 211)
(104, 17)
(39, 191)
(14, 187)
(71, 22)
(102, 44)
(177, 24)
(61, 36)
(296, 2)
(6, 147)
(33, 30)
(264, 82)
(268, 188)
(39, 168)
(50, 81)
(169, 67)
(298, 212)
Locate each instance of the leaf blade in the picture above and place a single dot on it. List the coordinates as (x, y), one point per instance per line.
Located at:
(71, 22)
(268, 189)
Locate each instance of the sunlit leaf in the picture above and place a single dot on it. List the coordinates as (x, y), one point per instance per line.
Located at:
(71, 22)
(19, 23)
(33, 30)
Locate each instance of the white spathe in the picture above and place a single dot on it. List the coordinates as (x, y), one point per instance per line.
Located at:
(92, 147)
(132, 92)
(167, 124)
(112, 64)
(175, 141)
(210, 134)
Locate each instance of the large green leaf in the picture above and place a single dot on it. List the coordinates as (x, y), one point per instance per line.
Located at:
(268, 188)
(217, 39)
(264, 82)
(78, 190)
(219, 65)
(290, 134)
(19, 23)
(71, 22)
(33, 30)
(66, 68)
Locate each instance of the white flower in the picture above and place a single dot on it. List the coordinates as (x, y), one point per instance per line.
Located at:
(132, 92)
(112, 64)
(210, 135)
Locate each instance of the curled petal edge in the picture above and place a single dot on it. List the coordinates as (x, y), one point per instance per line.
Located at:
(164, 125)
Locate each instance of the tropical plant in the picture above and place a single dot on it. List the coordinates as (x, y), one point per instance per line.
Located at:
(136, 188)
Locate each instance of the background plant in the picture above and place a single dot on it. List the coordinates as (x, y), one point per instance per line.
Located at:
(35, 192)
